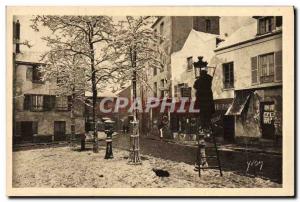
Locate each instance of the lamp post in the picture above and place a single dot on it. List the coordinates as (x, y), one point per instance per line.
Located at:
(109, 124)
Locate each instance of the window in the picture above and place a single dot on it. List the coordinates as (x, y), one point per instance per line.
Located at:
(162, 83)
(207, 25)
(162, 62)
(161, 31)
(189, 63)
(37, 103)
(36, 75)
(155, 89)
(16, 35)
(197, 23)
(62, 103)
(278, 20)
(266, 66)
(162, 87)
(228, 75)
(186, 91)
(175, 91)
(154, 71)
(266, 25)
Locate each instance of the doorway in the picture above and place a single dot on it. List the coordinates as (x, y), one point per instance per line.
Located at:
(59, 130)
(228, 126)
(28, 129)
(267, 114)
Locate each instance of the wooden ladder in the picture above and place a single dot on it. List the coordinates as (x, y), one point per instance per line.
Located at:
(199, 157)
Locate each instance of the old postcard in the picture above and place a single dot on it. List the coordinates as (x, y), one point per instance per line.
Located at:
(150, 101)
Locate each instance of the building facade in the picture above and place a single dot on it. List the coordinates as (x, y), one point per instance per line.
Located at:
(39, 115)
(249, 69)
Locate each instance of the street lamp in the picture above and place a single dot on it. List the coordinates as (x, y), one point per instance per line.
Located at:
(198, 66)
(109, 125)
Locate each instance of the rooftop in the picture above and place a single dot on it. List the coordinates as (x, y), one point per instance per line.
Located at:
(244, 34)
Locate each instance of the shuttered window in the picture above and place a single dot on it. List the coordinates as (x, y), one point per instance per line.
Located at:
(27, 102)
(254, 70)
(278, 66)
(37, 103)
(266, 68)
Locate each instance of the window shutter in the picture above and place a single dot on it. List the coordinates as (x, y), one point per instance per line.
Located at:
(46, 103)
(27, 102)
(52, 101)
(35, 127)
(254, 70)
(29, 73)
(278, 66)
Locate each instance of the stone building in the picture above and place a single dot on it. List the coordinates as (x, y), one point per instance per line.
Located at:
(39, 115)
(249, 69)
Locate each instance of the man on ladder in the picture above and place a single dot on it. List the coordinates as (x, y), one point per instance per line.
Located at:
(205, 103)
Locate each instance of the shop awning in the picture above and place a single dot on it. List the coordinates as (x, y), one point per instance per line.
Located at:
(239, 102)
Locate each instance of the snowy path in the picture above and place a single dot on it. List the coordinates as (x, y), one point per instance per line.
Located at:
(61, 167)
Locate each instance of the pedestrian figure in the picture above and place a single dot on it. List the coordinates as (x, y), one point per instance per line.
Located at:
(160, 128)
(124, 128)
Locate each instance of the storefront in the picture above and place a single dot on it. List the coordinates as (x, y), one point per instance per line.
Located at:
(258, 114)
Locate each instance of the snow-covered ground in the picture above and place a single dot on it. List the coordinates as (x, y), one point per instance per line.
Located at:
(61, 167)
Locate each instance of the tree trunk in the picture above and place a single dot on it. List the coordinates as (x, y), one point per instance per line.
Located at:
(72, 139)
(94, 91)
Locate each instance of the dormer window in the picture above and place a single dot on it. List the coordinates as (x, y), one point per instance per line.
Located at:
(268, 24)
(265, 25)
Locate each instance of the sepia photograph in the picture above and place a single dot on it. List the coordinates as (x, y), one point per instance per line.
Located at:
(150, 101)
